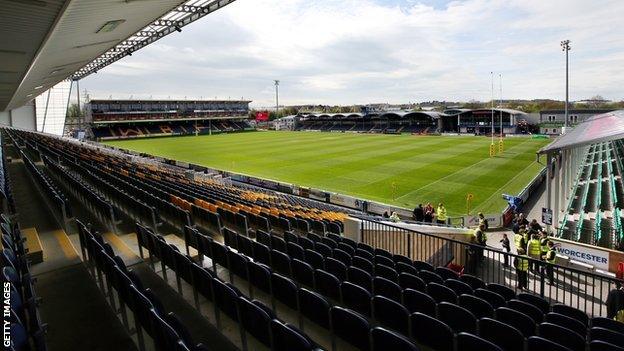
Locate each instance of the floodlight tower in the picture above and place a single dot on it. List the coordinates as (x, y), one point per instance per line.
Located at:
(276, 97)
(500, 139)
(565, 45)
(492, 124)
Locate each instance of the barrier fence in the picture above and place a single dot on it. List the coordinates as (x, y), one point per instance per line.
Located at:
(581, 289)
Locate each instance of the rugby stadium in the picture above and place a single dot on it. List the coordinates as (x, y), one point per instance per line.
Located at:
(320, 222)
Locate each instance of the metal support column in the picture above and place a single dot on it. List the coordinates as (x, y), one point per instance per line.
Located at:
(548, 185)
(557, 197)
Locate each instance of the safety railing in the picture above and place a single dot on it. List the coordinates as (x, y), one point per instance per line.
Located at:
(582, 289)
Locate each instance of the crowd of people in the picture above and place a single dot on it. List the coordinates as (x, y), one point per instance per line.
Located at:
(429, 214)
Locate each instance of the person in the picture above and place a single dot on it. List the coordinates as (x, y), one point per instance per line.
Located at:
(484, 221)
(544, 242)
(522, 269)
(481, 240)
(515, 227)
(534, 251)
(534, 226)
(395, 217)
(522, 220)
(429, 212)
(615, 301)
(419, 213)
(505, 244)
(519, 240)
(386, 215)
(550, 257)
(441, 212)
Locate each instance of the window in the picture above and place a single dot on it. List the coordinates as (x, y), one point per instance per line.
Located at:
(51, 108)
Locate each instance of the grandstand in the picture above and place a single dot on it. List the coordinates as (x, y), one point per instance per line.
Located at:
(269, 270)
(106, 249)
(120, 119)
(465, 121)
(588, 167)
(392, 122)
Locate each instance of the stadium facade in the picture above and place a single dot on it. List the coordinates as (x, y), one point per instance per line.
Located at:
(113, 119)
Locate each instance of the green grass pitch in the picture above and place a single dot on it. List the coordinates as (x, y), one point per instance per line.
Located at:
(402, 170)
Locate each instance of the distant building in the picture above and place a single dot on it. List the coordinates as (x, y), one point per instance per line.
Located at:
(286, 123)
(479, 121)
(551, 121)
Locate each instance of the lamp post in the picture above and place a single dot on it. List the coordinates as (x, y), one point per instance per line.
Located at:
(565, 45)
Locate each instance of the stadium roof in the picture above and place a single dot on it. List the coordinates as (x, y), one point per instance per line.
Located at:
(600, 128)
(401, 114)
(43, 42)
(151, 101)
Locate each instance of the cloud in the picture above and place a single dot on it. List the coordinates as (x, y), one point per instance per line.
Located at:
(359, 51)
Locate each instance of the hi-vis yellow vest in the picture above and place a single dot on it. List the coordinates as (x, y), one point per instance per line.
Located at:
(534, 247)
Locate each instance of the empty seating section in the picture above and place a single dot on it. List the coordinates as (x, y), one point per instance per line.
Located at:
(23, 327)
(281, 257)
(125, 291)
(356, 123)
(183, 127)
(594, 213)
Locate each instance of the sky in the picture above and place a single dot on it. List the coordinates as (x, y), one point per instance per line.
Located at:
(380, 51)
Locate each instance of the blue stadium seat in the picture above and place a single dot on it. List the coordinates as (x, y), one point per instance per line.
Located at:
(356, 298)
(382, 252)
(536, 301)
(402, 259)
(342, 256)
(571, 312)
(360, 277)
(390, 314)
(350, 327)
(478, 306)
(363, 263)
(261, 253)
(411, 281)
(496, 300)
(387, 288)
(606, 335)
(562, 336)
(566, 322)
(303, 273)
(458, 286)
(430, 277)
(536, 343)
(336, 268)
(446, 273)
(383, 339)
(280, 263)
(255, 320)
(288, 338)
(381, 270)
(323, 249)
(607, 323)
(327, 284)
(259, 277)
(364, 254)
(470, 342)
(295, 251)
(603, 346)
(431, 332)
(441, 293)
(457, 317)
(530, 310)
(506, 292)
(516, 319)
(385, 260)
(403, 267)
(418, 301)
(314, 259)
(423, 266)
(503, 335)
(314, 307)
(284, 290)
